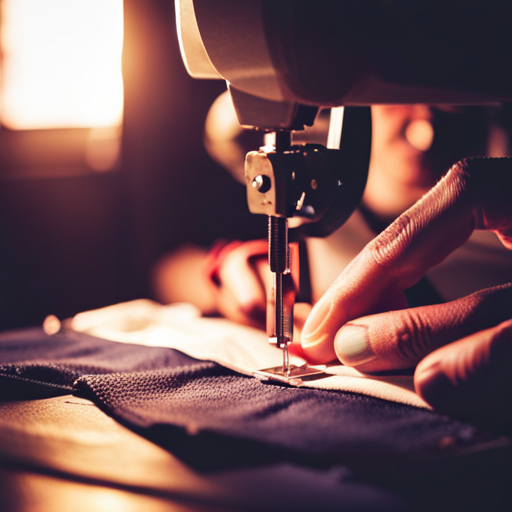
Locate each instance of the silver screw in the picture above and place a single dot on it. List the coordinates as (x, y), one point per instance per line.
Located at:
(261, 183)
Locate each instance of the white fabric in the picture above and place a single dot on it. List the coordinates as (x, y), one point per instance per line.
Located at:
(240, 348)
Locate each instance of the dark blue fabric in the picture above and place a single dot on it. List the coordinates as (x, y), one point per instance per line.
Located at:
(83, 353)
(159, 391)
(39, 365)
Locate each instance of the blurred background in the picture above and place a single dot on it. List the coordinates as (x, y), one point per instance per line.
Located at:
(102, 164)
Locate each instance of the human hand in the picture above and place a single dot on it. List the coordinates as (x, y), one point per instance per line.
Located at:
(241, 279)
(465, 346)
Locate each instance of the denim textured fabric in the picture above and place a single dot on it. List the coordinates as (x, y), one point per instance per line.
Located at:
(160, 392)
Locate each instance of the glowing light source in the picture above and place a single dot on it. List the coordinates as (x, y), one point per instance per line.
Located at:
(61, 63)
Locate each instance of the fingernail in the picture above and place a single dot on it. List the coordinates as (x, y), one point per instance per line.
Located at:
(314, 321)
(352, 345)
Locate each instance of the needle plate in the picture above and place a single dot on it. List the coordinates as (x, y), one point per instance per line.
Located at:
(295, 376)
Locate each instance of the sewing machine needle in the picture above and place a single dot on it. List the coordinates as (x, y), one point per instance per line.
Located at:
(286, 360)
(282, 298)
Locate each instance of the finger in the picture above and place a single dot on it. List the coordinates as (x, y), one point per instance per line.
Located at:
(230, 309)
(242, 296)
(471, 378)
(473, 194)
(401, 339)
(301, 311)
(263, 272)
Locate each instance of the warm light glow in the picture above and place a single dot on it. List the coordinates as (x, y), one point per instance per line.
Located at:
(61, 63)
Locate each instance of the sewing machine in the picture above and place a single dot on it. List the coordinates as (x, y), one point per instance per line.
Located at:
(64, 452)
(284, 60)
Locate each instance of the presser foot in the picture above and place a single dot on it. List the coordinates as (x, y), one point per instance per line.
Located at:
(294, 375)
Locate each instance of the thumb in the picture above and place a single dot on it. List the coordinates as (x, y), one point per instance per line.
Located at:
(401, 339)
(471, 378)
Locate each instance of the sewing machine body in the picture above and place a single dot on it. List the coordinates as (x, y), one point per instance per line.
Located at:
(299, 54)
(284, 60)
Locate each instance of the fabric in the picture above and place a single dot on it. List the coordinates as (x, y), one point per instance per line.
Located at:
(34, 364)
(160, 393)
(240, 348)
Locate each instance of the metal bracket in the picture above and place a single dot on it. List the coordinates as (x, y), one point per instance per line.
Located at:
(295, 376)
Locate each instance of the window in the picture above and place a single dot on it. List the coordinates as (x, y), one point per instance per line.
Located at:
(61, 76)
